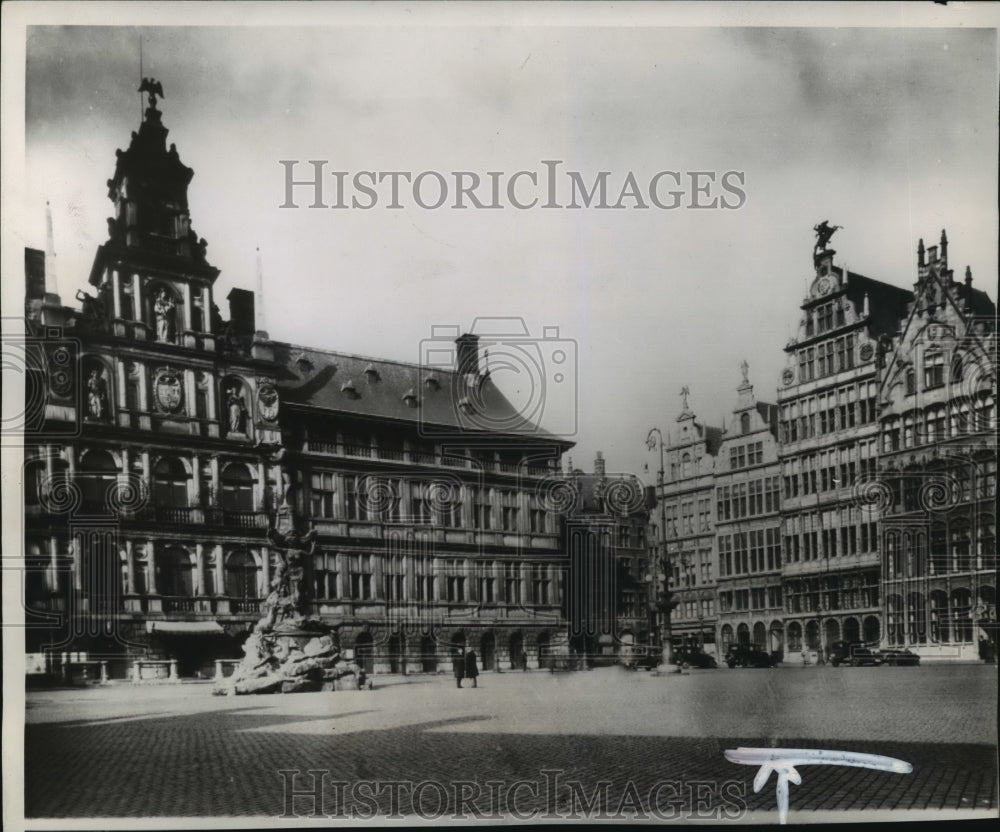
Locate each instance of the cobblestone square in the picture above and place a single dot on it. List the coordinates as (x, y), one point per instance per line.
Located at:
(124, 751)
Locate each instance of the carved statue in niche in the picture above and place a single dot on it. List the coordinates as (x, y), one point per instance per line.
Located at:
(237, 410)
(164, 309)
(98, 406)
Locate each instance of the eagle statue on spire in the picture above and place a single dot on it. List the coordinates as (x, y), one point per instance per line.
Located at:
(154, 88)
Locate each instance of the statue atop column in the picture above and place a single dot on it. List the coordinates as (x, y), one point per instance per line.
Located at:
(824, 231)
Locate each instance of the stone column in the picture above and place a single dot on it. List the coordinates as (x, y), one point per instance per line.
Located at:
(210, 386)
(206, 302)
(147, 472)
(187, 305)
(341, 564)
(120, 367)
(153, 588)
(74, 548)
(189, 388)
(261, 488)
(265, 564)
(194, 492)
(220, 584)
(199, 570)
(54, 564)
(137, 298)
(130, 567)
(213, 466)
(140, 369)
(116, 292)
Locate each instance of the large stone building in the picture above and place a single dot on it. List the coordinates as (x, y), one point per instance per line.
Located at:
(686, 492)
(938, 468)
(167, 438)
(748, 525)
(828, 443)
(877, 469)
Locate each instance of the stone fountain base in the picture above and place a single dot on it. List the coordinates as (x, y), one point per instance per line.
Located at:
(293, 657)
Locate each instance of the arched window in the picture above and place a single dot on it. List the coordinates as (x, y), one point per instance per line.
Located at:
(909, 438)
(911, 382)
(98, 473)
(986, 548)
(890, 435)
(959, 545)
(933, 370)
(175, 573)
(727, 637)
(242, 575)
(940, 631)
(745, 423)
(170, 482)
(961, 614)
(794, 636)
(916, 619)
(237, 487)
(685, 464)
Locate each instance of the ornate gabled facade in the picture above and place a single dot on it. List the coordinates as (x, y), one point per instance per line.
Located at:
(748, 526)
(938, 468)
(687, 496)
(169, 438)
(828, 450)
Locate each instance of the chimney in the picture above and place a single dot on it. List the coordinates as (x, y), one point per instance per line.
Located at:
(241, 311)
(599, 464)
(468, 354)
(968, 275)
(944, 249)
(920, 252)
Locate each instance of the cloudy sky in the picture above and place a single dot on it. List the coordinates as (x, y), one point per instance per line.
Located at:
(889, 132)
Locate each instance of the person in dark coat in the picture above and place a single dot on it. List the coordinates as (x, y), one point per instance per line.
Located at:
(471, 668)
(458, 667)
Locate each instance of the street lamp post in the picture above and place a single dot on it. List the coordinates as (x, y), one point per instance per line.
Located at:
(664, 604)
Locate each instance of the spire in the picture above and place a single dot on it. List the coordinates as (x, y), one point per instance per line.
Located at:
(51, 281)
(261, 320)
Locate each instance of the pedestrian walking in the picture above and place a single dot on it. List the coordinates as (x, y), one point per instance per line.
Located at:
(471, 668)
(458, 666)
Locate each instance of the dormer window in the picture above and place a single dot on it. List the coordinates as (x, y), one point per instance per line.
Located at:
(745, 423)
(348, 389)
(432, 382)
(372, 374)
(410, 398)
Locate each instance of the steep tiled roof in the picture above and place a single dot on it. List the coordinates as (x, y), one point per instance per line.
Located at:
(377, 388)
(976, 300)
(886, 303)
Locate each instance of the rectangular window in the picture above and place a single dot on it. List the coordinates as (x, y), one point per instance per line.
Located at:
(483, 509)
(322, 492)
(512, 583)
(361, 577)
(540, 584)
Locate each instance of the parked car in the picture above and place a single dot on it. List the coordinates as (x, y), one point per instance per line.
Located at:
(854, 654)
(900, 657)
(695, 658)
(748, 655)
(644, 658)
